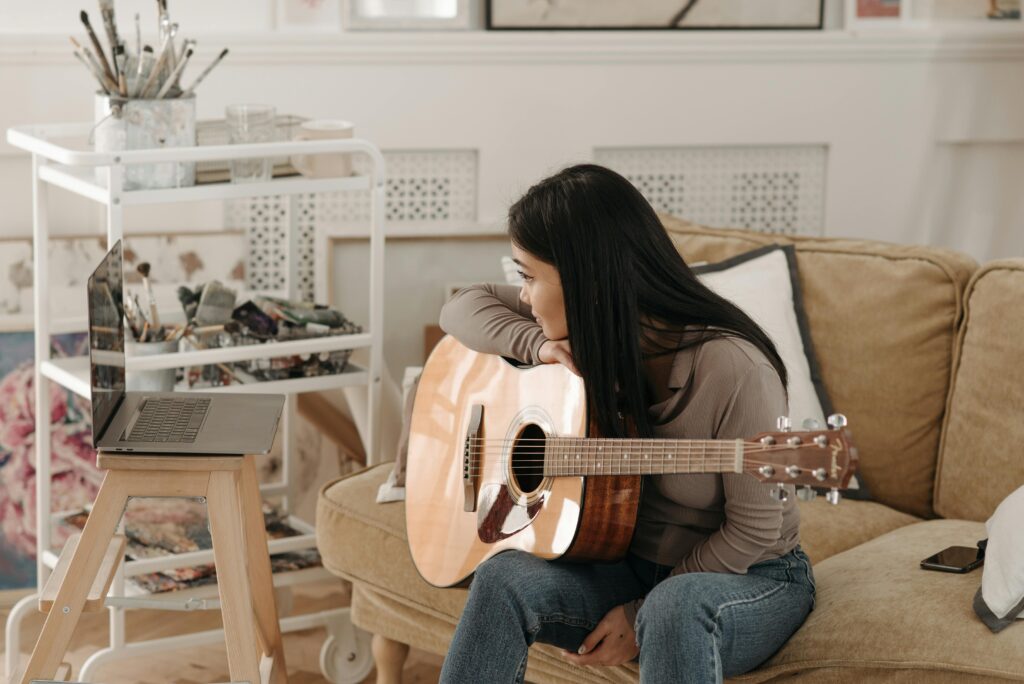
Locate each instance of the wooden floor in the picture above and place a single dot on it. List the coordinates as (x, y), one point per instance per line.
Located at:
(207, 663)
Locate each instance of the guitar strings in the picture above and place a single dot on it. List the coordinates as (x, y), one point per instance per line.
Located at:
(552, 467)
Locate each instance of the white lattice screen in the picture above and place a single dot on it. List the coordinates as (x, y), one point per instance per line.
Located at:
(423, 187)
(767, 188)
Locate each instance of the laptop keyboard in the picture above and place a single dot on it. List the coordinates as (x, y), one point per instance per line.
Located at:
(169, 420)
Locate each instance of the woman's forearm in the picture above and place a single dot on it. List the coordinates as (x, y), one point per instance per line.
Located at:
(491, 319)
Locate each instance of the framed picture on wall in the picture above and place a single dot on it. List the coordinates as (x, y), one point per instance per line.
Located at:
(410, 14)
(308, 15)
(654, 14)
(877, 13)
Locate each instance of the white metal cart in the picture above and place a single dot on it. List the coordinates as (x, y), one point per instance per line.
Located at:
(61, 158)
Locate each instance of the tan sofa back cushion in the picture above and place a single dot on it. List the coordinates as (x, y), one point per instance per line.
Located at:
(981, 458)
(883, 318)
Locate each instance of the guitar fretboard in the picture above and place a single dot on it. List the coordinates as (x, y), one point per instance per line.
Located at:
(568, 456)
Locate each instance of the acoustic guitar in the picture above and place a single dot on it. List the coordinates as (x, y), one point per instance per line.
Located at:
(500, 458)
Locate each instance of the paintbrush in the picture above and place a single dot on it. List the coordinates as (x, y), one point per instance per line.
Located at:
(119, 63)
(90, 64)
(84, 16)
(140, 73)
(138, 37)
(172, 56)
(99, 79)
(174, 76)
(207, 70)
(107, 83)
(143, 270)
(157, 67)
(110, 26)
(185, 45)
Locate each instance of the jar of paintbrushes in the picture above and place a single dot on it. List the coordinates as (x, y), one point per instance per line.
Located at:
(143, 102)
(149, 336)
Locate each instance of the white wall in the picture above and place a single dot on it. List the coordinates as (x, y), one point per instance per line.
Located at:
(896, 110)
(925, 129)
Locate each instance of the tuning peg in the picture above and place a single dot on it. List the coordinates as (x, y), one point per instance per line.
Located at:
(811, 424)
(836, 421)
(806, 493)
(833, 496)
(780, 493)
(783, 424)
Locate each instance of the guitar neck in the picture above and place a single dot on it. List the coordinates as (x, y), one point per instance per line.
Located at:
(577, 456)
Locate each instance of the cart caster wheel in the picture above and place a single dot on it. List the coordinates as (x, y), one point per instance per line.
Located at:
(284, 597)
(346, 657)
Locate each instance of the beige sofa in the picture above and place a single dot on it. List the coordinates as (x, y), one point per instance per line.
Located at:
(924, 353)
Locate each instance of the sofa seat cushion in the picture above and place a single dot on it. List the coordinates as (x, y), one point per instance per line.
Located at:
(366, 543)
(826, 530)
(878, 613)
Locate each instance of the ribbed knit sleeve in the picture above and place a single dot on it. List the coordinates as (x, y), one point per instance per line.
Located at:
(491, 319)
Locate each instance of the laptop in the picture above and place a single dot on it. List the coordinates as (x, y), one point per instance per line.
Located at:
(162, 422)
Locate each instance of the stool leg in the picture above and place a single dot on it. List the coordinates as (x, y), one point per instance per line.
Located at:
(229, 555)
(85, 563)
(260, 576)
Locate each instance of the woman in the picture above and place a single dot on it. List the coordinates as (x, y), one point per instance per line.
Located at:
(714, 582)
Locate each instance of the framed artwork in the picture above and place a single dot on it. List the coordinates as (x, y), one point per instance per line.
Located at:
(877, 13)
(410, 14)
(654, 14)
(308, 15)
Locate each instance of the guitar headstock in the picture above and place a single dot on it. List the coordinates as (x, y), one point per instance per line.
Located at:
(813, 457)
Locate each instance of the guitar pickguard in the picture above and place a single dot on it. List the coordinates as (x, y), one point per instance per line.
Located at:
(499, 516)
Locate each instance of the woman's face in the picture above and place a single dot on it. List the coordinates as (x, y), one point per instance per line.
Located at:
(542, 291)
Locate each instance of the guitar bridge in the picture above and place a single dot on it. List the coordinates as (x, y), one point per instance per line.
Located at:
(471, 458)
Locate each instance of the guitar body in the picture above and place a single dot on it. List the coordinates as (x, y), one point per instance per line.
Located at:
(454, 524)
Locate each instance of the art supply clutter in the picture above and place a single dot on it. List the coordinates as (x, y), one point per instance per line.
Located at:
(217, 320)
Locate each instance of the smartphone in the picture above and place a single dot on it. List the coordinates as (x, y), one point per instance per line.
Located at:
(954, 559)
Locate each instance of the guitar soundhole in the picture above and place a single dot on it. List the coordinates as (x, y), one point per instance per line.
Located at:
(528, 458)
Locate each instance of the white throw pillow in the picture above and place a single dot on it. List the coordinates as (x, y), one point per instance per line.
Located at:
(761, 284)
(1000, 599)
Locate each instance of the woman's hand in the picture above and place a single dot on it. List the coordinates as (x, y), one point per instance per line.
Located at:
(613, 642)
(557, 351)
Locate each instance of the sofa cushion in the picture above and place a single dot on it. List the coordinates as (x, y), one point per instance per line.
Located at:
(878, 611)
(826, 530)
(364, 541)
(980, 461)
(883, 318)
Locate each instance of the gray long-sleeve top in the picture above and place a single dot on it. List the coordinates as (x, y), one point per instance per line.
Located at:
(693, 522)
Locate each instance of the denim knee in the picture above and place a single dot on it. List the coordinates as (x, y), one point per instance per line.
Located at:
(504, 579)
(672, 609)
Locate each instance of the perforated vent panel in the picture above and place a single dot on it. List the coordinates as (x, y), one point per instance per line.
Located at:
(765, 188)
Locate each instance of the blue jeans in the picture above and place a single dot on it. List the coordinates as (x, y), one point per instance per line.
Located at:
(693, 627)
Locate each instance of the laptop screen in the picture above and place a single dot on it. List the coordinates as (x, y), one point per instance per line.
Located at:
(106, 339)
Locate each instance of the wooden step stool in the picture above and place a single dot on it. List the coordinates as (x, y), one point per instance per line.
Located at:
(251, 630)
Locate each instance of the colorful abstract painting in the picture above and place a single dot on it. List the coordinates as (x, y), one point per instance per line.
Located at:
(74, 477)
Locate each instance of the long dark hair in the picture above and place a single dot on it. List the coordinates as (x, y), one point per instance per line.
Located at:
(624, 284)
